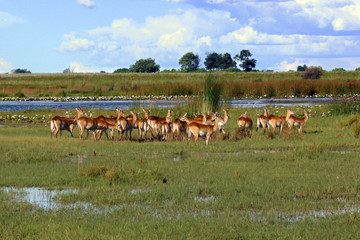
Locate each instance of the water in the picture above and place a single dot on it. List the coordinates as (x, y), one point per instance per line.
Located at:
(126, 104)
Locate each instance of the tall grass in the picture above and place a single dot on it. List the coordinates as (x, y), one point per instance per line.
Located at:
(168, 84)
(212, 94)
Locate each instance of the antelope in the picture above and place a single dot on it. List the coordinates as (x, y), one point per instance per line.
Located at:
(142, 125)
(131, 120)
(103, 126)
(278, 121)
(165, 129)
(85, 123)
(154, 123)
(58, 123)
(178, 127)
(223, 121)
(112, 121)
(296, 121)
(209, 118)
(189, 120)
(245, 121)
(201, 130)
(261, 121)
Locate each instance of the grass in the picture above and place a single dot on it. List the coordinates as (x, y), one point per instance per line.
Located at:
(175, 84)
(232, 189)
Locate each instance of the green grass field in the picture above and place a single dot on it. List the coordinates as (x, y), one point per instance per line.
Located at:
(235, 85)
(263, 187)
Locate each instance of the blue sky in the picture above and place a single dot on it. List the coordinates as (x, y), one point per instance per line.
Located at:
(47, 36)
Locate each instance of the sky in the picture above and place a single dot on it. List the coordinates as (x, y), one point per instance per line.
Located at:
(48, 36)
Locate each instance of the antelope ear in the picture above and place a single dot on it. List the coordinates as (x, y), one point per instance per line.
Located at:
(131, 112)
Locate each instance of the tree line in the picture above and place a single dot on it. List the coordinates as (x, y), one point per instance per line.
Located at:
(190, 62)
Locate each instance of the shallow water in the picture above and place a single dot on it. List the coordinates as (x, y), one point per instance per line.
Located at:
(126, 104)
(50, 200)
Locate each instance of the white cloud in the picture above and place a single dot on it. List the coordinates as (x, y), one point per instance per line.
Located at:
(5, 66)
(6, 20)
(86, 3)
(340, 14)
(81, 68)
(75, 44)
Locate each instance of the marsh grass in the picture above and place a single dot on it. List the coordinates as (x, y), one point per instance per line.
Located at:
(235, 85)
(228, 189)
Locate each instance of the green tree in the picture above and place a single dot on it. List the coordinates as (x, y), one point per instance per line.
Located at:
(122, 70)
(212, 61)
(338, 70)
(189, 62)
(357, 69)
(246, 63)
(226, 62)
(145, 65)
(19, 70)
(301, 68)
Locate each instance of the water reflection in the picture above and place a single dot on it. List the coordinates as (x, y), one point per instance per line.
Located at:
(49, 200)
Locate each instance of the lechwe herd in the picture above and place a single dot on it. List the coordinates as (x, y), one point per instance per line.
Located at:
(185, 127)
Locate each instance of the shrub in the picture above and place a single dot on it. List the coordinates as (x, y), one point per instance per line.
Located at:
(19, 94)
(313, 73)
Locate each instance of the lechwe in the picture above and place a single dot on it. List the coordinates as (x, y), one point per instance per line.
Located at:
(142, 125)
(103, 126)
(58, 123)
(245, 122)
(154, 123)
(261, 121)
(189, 120)
(85, 123)
(112, 121)
(297, 121)
(201, 130)
(131, 120)
(278, 121)
(179, 127)
(223, 121)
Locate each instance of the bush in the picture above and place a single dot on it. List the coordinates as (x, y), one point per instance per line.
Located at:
(313, 73)
(19, 94)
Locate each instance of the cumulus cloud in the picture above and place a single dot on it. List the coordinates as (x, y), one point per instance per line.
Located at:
(6, 20)
(167, 37)
(86, 3)
(5, 66)
(340, 14)
(73, 44)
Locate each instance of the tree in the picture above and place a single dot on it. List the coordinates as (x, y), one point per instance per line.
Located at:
(122, 70)
(189, 62)
(301, 68)
(338, 70)
(212, 61)
(19, 70)
(226, 62)
(145, 65)
(357, 69)
(246, 63)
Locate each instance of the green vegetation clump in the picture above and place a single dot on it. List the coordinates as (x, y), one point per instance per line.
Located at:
(313, 72)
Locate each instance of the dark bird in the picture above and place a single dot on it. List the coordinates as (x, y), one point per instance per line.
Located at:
(94, 153)
(164, 180)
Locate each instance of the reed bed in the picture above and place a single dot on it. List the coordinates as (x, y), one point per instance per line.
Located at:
(173, 84)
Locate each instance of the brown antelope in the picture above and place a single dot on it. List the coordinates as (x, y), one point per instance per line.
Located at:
(278, 121)
(142, 125)
(85, 123)
(131, 120)
(165, 129)
(209, 118)
(58, 123)
(223, 121)
(261, 121)
(102, 126)
(154, 123)
(297, 122)
(112, 121)
(179, 127)
(201, 130)
(245, 121)
(189, 120)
